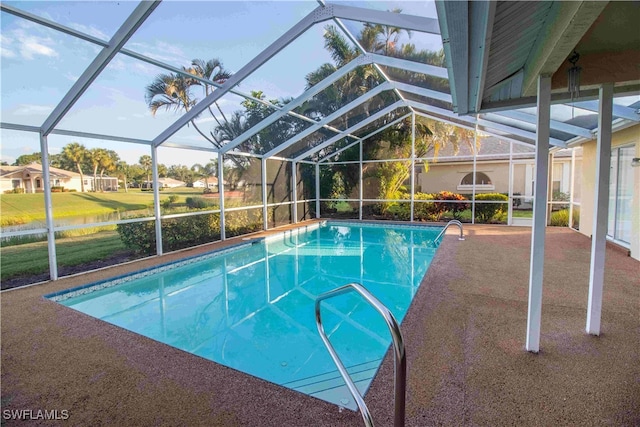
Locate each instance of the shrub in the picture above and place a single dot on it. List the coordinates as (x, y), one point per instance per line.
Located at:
(18, 190)
(455, 208)
(57, 189)
(559, 218)
(399, 211)
(199, 203)
(207, 190)
(184, 232)
(425, 211)
(485, 212)
(166, 203)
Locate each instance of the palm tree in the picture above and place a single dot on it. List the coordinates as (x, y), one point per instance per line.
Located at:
(146, 163)
(76, 153)
(95, 157)
(123, 171)
(173, 91)
(108, 163)
(206, 171)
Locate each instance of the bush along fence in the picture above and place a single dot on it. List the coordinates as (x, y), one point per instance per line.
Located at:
(184, 232)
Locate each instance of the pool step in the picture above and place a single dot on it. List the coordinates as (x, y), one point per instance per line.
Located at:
(330, 385)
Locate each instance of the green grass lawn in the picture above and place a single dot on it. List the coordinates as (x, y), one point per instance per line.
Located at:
(33, 258)
(23, 208)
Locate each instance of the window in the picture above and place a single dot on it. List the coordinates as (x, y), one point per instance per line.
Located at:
(15, 183)
(483, 182)
(38, 183)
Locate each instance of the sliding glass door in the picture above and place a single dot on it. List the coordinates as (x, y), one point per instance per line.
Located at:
(621, 194)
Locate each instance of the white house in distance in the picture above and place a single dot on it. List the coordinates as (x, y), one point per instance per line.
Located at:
(171, 183)
(29, 178)
(212, 181)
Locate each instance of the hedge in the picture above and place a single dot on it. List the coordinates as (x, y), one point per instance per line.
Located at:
(485, 212)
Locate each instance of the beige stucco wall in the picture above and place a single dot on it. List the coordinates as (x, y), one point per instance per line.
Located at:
(588, 174)
(447, 177)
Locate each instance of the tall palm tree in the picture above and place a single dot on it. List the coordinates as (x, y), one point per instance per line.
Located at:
(123, 170)
(76, 153)
(96, 156)
(108, 163)
(146, 163)
(174, 92)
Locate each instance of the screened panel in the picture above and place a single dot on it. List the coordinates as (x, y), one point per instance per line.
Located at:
(177, 32)
(427, 101)
(365, 110)
(25, 260)
(242, 181)
(239, 222)
(300, 145)
(97, 19)
(87, 249)
(184, 232)
(397, 42)
(364, 131)
(339, 147)
(282, 130)
(117, 97)
(39, 65)
(278, 181)
(343, 91)
(278, 79)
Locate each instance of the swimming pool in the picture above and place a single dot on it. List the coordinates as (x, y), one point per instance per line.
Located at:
(251, 307)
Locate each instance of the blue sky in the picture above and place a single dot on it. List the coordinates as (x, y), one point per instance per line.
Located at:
(39, 65)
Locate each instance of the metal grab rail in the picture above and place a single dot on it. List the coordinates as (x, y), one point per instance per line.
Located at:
(398, 345)
(452, 222)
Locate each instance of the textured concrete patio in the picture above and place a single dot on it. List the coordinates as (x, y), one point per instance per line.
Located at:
(464, 334)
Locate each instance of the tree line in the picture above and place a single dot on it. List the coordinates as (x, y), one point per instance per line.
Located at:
(99, 162)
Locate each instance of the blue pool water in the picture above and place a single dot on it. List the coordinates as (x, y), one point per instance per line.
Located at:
(251, 307)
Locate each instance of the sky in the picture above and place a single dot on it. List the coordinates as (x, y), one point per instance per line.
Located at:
(39, 65)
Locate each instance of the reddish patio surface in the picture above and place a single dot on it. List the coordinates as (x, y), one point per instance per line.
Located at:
(464, 334)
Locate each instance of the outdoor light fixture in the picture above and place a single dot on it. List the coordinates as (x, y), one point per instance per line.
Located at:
(574, 75)
(635, 162)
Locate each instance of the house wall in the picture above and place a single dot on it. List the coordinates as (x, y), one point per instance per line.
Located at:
(588, 175)
(447, 177)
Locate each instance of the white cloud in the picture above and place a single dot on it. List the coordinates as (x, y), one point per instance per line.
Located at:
(90, 30)
(32, 109)
(29, 45)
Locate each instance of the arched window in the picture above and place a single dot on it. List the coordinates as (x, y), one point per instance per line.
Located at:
(483, 182)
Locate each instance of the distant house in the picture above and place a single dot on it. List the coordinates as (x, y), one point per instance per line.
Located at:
(100, 183)
(212, 181)
(171, 183)
(29, 178)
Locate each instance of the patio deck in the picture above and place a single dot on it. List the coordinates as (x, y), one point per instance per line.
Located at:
(465, 349)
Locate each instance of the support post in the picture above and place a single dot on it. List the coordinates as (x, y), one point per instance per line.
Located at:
(572, 185)
(48, 207)
(265, 211)
(156, 198)
(539, 214)
(601, 209)
(317, 190)
(413, 162)
(223, 233)
(294, 189)
(510, 205)
(361, 183)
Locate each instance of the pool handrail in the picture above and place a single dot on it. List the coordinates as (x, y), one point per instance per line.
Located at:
(400, 385)
(452, 222)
